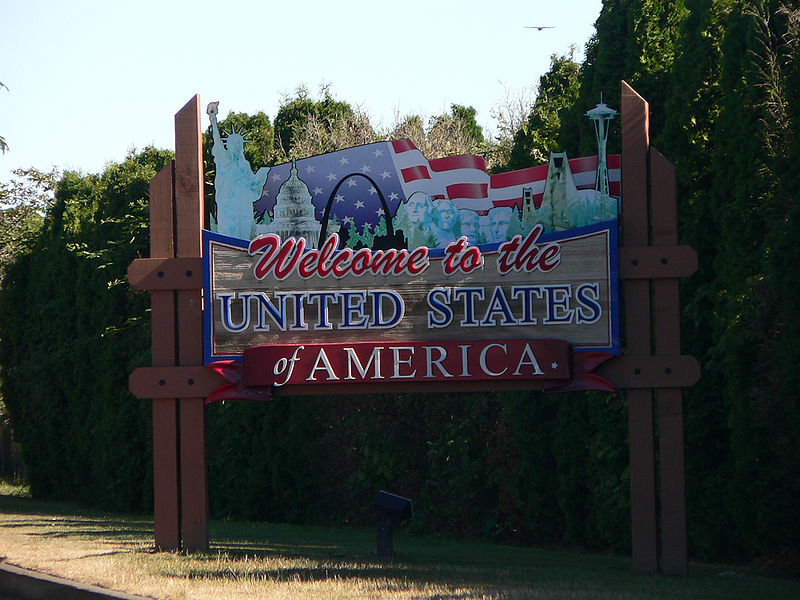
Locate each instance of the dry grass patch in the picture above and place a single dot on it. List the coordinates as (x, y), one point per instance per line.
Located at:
(256, 560)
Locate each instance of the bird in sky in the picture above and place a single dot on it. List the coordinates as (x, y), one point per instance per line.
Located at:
(538, 27)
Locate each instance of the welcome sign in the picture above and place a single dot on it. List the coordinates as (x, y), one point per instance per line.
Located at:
(374, 265)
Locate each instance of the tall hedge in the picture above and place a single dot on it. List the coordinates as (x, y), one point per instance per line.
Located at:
(721, 78)
(505, 467)
(71, 329)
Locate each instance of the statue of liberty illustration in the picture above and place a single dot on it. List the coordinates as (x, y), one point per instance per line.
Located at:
(236, 186)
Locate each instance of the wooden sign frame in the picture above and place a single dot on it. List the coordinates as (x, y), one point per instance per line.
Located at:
(650, 267)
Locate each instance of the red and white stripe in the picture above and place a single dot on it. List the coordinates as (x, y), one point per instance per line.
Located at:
(463, 179)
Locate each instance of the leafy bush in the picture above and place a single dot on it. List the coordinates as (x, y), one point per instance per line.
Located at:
(71, 329)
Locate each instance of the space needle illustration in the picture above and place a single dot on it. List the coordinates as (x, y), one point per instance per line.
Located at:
(601, 116)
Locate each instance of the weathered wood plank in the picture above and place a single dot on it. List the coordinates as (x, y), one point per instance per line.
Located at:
(188, 220)
(161, 212)
(165, 410)
(654, 262)
(636, 303)
(173, 382)
(666, 299)
(165, 474)
(640, 372)
(166, 273)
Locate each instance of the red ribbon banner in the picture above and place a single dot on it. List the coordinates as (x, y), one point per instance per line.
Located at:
(552, 362)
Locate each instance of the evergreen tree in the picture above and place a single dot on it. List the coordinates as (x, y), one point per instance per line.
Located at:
(692, 110)
(754, 188)
(557, 90)
(71, 329)
(634, 40)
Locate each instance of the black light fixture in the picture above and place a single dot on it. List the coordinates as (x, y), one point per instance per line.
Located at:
(393, 509)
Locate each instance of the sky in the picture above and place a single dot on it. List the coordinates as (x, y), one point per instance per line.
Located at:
(88, 81)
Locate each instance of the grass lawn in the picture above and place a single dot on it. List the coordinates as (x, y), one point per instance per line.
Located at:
(258, 560)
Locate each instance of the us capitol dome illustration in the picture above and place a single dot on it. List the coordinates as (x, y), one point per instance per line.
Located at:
(293, 215)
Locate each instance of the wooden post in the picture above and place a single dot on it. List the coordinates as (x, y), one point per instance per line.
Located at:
(645, 172)
(636, 298)
(177, 381)
(166, 495)
(666, 300)
(188, 222)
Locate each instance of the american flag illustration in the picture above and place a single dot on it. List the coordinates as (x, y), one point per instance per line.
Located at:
(360, 184)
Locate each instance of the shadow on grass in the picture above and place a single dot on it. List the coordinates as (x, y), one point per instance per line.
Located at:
(259, 551)
(57, 520)
(320, 573)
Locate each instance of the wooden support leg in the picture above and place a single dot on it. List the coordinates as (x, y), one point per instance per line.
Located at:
(194, 492)
(635, 231)
(166, 482)
(674, 559)
(165, 475)
(644, 545)
(666, 301)
(188, 221)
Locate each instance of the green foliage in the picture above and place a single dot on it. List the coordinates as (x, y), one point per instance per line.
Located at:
(262, 462)
(295, 112)
(71, 329)
(466, 116)
(458, 129)
(23, 200)
(721, 79)
(635, 40)
(456, 132)
(756, 303)
(509, 468)
(538, 137)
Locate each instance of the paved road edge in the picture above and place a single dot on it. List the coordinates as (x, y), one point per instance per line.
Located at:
(23, 584)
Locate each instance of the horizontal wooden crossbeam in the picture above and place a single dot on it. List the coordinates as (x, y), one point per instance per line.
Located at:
(173, 382)
(166, 273)
(656, 262)
(635, 372)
